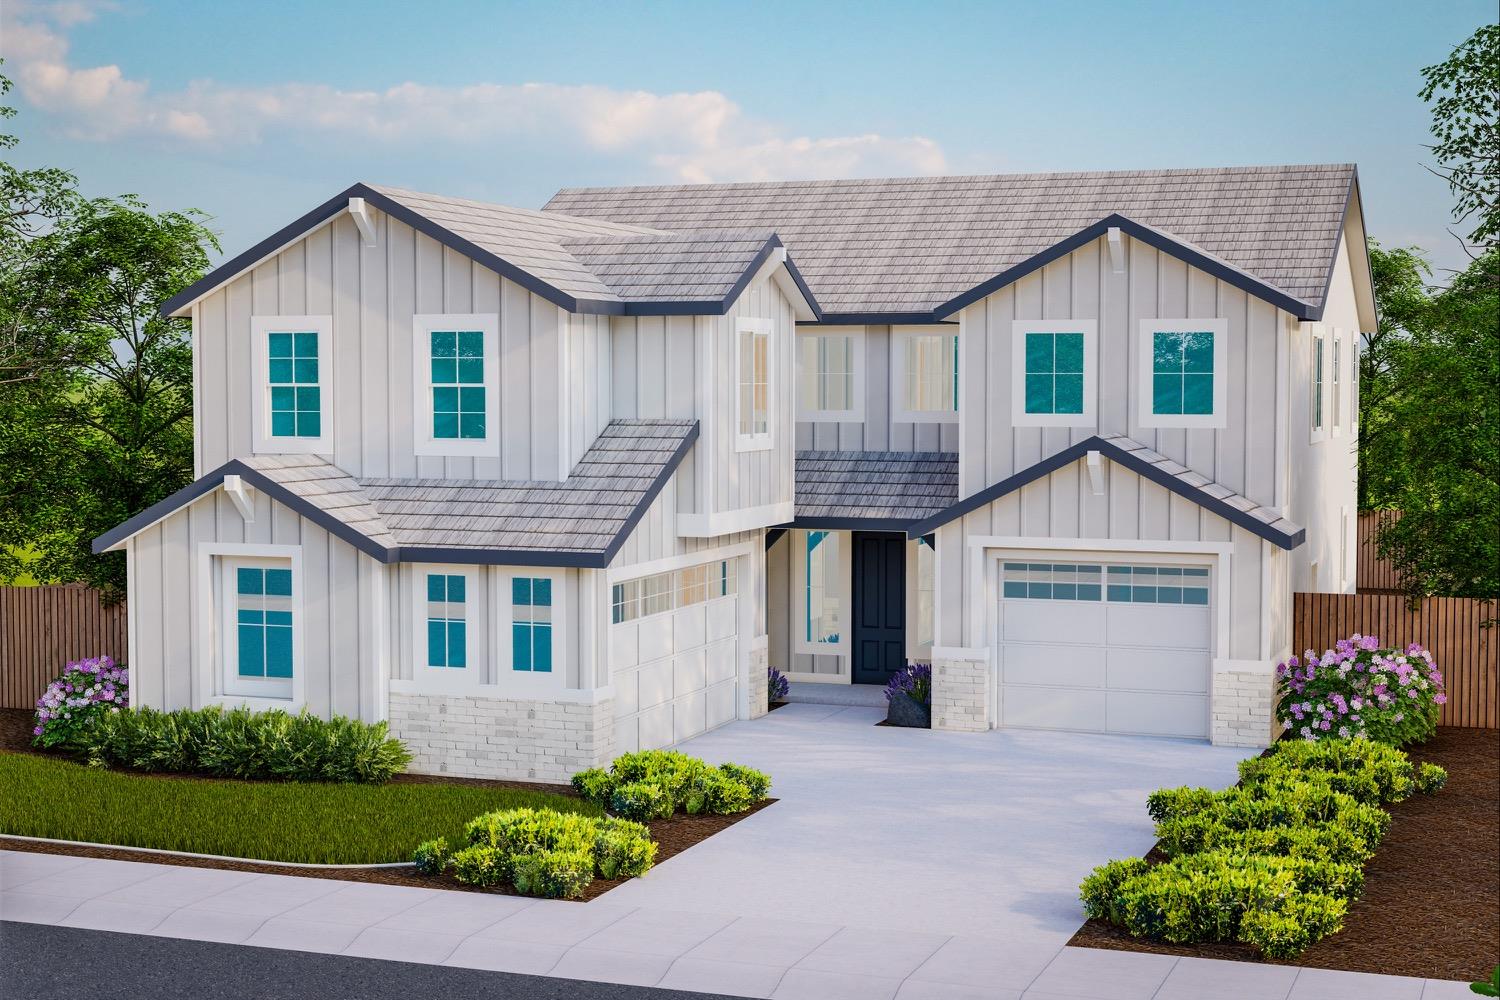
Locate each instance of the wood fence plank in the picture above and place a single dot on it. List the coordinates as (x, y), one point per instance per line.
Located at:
(43, 628)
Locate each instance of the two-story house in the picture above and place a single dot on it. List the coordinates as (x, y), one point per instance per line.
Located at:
(541, 487)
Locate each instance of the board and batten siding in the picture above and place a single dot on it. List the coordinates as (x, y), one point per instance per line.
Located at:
(877, 431)
(1247, 455)
(372, 293)
(340, 620)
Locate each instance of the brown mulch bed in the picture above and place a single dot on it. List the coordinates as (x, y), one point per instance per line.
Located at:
(672, 836)
(1431, 905)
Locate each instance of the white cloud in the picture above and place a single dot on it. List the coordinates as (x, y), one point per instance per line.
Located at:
(696, 136)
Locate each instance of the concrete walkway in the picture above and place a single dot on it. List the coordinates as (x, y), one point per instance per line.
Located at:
(897, 863)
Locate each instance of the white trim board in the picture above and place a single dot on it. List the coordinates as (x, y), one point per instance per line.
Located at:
(729, 522)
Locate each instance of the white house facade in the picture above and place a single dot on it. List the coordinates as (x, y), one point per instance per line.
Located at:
(541, 487)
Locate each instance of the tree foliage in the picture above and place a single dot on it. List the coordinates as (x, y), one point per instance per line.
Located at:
(1464, 91)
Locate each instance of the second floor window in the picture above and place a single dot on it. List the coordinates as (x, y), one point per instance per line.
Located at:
(456, 384)
(293, 365)
(1317, 384)
(931, 374)
(1183, 381)
(753, 385)
(296, 393)
(830, 376)
(1053, 380)
(1337, 402)
(458, 389)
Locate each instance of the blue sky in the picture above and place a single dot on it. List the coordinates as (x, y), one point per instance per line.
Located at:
(256, 112)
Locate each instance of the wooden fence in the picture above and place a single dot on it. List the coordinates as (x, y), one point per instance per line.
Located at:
(1452, 627)
(1373, 574)
(42, 628)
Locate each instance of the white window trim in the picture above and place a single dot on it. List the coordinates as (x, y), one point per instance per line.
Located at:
(1317, 423)
(261, 327)
(213, 637)
(899, 410)
(1144, 392)
(431, 678)
(859, 362)
(530, 682)
(843, 581)
(1335, 385)
(423, 443)
(1090, 330)
(755, 442)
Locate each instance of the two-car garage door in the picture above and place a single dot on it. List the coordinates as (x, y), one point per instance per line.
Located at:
(1104, 647)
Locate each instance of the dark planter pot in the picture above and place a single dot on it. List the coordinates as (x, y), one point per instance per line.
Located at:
(905, 710)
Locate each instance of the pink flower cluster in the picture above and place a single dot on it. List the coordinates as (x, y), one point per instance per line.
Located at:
(1359, 690)
(86, 688)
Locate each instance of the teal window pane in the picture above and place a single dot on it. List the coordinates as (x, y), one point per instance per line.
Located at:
(306, 370)
(456, 586)
(1065, 591)
(541, 660)
(283, 398)
(1166, 353)
(1168, 571)
(1042, 590)
(445, 400)
(1040, 567)
(1088, 569)
(1142, 572)
(306, 345)
(279, 345)
(470, 370)
(283, 370)
(279, 582)
(1063, 570)
(457, 645)
(471, 399)
(1199, 571)
(1198, 352)
(1194, 595)
(520, 646)
(1014, 589)
(1118, 593)
(309, 425)
(252, 617)
(1119, 571)
(471, 344)
(444, 344)
(279, 618)
(1069, 352)
(250, 581)
(541, 593)
(309, 400)
(437, 587)
(520, 591)
(252, 652)
(1166, 394)
(1039, 397)
(1039, 353)
(1197, 394)
(1069, 394)
(445, 425)
(283, 423)
(471, 426)
(278, 651)
(444, 371)
(437, 643)
(1168, 595)
(1143, 595)
(1088, 591)
(1015, 566)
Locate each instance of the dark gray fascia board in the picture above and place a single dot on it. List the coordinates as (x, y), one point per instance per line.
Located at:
(879, 319)
(846, 523)
(1147, 235)
(1119, 455)
(407, 553)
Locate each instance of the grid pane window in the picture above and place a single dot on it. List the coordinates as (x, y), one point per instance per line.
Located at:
(458, 390)
(447, 625)
(1182, 372)
(1054, 373)
(822, 611)
(932, 373)
(692, 585)
(654, 595)
(1317, 374)
(1052, 581)
(827, 372)
(296, 393)
(728, 578)
(1158, 585)
(531, 624)
(263, 621)
(754, 383)
(1336, 400)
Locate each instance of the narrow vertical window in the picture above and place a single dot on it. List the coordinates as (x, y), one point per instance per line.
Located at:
(926, 577)
(753, 378)
(263, 622)
(820, 597)
(296, 395)
(455, 384)
(1182, 372)
(531, 624)
(1317, 384)
(458, 389)
(1337, 410)
(447, 621)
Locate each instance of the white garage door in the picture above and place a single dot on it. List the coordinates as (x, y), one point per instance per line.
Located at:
(674, 648)
(1104, 647)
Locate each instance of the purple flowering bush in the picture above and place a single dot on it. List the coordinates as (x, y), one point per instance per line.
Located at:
(1357, 690)
(86, 690)
(913, 680)
(777, 686)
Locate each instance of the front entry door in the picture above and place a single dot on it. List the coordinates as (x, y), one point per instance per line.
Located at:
(879, 606)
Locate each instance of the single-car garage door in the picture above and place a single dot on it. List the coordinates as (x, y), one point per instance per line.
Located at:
(1104, 647)
(674, 648)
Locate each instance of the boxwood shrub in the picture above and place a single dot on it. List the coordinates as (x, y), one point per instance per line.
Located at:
(655, 784)
(1273, 862)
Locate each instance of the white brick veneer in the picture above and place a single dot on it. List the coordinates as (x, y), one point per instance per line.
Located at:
(960, 693)
(479, 737)
(760, 692)
(1243, 702)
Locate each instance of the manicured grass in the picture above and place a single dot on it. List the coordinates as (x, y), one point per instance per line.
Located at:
(306, 822)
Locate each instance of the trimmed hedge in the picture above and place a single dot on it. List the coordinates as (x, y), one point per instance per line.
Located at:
(1273, 862)
(240, 743)
(655, 784)
(542, 852)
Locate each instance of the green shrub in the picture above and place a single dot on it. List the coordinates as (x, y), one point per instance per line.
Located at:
(431, 856)
(653, 784)
(553, 874)
(596, 785)
(623, 849)
(641, 801)
(1322, 842)
(1290, 929)
(481, 864)
(1374, 773)
(1099, 890)
(242, 744)
(1170, 803)
(758, 782)
(1431, 779)
(722, 795)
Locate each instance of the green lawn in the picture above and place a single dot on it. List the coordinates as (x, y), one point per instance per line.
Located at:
(318, 823)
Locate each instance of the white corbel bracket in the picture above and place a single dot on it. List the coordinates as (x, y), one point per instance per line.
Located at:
(1116, 250)
(363, 219)
(238, 492)
(1096, 473)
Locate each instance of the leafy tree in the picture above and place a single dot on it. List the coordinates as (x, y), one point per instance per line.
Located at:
(1466, 125)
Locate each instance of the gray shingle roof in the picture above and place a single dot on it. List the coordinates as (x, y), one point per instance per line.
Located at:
(908, 245)
(581, 521)
(874, 485)
(699, 266)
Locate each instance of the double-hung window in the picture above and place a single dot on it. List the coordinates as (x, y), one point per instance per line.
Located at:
(1183, 381)
(752, 352)
(1317, 384)
(1053, 372)
(531, 624)
(258, 603)
(447, 621)
(1337, 400)
(926, 374)
(455, 365)
(291, 408)
(830, 376)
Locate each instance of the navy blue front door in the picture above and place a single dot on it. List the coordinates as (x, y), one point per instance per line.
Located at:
(879, 606)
